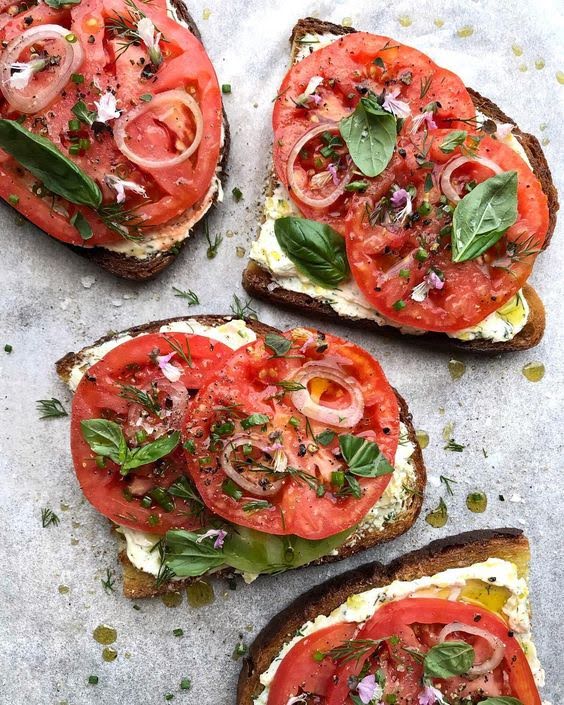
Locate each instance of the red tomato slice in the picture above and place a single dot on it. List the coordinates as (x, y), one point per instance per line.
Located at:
(307, 499)
(99, 395)
(186, 67)
(300, 670)
(350, 67)
(408, 622)
(390, 256)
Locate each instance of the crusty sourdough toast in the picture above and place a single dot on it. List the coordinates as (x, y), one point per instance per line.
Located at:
(143, 268)
(453, 552)
(259, 283)
(138, 584)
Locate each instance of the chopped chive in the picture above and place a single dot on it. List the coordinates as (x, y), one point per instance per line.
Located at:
(153, 519)
(237, 194)
(178, 632)
(226, 88)
(74, 149)
(93, 680)
(8, 348)
(169, 696)
(100, 461)
(146, 502)
(162, 498)
(231, 490)
(424, 208)
(146, 97)
(404, 273)
(77, 78)
(74, 125)
(185, 684)
(338, 478)
(398, 305)
(293, 421)
(190, 446)
(357, 186)
(14, 199)
(421, 255)
(318, 656)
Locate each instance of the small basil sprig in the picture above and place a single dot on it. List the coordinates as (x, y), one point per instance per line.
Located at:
(501, 700)
(315, 248)
(279, 345)
(453, 140)
(482, 217)
(106, 438)
(451, 658)
(48, 164)
(189, 556)
(370, 135)
(363, 457)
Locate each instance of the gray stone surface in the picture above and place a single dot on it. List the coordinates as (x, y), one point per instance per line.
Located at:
(47, 651)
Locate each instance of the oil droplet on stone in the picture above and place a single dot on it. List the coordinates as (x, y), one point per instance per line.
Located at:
(545, 141)
(347, 22)
(74, 542)
(109, 654)
(240, 251)
(172, 599)
(448, 431)
(76, 524)
(422, 438)
(438, 517)
(466, 31)
(516, 49)
(405, 20)
(206, 13)
(533, 371)
(560, 77)
(456, 369)
(523, 68)
(539, 64)
(64, 507)
(64, 589)
(438, 22)
(477, 502)
(104, 634)
(543, 126)
(199, 594)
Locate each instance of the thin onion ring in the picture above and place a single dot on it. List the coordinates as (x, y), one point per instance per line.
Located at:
(446, 186)
(73, 58)
(498, 647)
(292, 181)
(280, 464)
(342, 418)
(166, 97)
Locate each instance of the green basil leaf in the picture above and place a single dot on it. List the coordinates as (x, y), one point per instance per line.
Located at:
(82, 225)
(451, 658)
(363, 457)
(59, 4)
(151, 451)
(254, 420)
(370, 135)
(105, 438)
(315, 248)
(501, 700)
(278, 344)
(188, 558)
(56, 172)
(453, 140)
(481, 218)
(80, 110)
(325, 437)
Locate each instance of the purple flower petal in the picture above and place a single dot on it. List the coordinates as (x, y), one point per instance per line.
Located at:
(399, 198)
(219, 535)
(367, 689)
(332, 169)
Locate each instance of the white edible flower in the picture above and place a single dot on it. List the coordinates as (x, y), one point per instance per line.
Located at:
(106, 108)
(504, 129)
(431, 281)
(23, 73)
(120, 187)
(399, 108)
(309, 93)
(171, 372)
(146, 31)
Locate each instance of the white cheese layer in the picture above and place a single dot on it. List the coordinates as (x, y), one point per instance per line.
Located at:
(360, 607)
(394, 500)
(348, 300)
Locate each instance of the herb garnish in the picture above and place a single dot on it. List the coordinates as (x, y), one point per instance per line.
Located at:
(454, 446)
(451, 658)
(186, 355)
(363, 457)
(352, 650)
(254, 420)
(190, 296)
(50, 409)
(453, 140)
(242, 310)
(48, 518)
(213, 246)
(109, 581)
(424, 85)
(148, 400)
(279, 345)
(447, 482)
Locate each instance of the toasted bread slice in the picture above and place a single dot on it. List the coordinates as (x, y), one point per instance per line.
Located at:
(259, 282)
(138, 584)
(454, 552)
(177, 232)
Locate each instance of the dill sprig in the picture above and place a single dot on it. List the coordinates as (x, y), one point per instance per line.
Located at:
(424, 86)
(454, 446)
(242, 309)
(186, 355)
(352, 650)
(190, 296)
(148, 400)
(518, 250)
(165, 573)
(48, 518)
(50, 408)
(447, 482)
(109, 581)
(213, 246)
(126, 27)
(123, 221)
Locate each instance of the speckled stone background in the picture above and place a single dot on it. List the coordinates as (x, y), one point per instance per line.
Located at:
(53, 301)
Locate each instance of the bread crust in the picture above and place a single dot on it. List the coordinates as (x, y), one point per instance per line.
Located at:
(453, 552)
(259, 282)
(133, 268)
(137, 584)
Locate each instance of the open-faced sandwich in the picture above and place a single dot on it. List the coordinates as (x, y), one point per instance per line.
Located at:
(446, 625)
(112, 137)
(400, 199)
(214, 444)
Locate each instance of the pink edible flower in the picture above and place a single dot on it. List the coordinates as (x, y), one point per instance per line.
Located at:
(120, 186)
(431, 696)
(368, 689)
(332, 169)
(397, 107)
(434, 281)
(219, 534)
(401, 201)
(427, 118)
(294, 700)
(171, 372)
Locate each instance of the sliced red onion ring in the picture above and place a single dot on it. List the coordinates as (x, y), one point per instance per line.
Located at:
(70, 62)
(166, 98)
(446, 185)
(173, 399)
(279, 465)
(345, 417)
(293, 182)
(498, 647)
